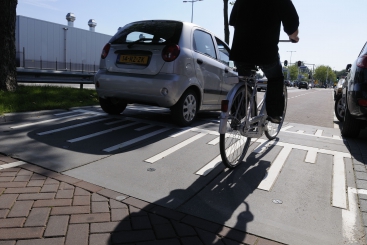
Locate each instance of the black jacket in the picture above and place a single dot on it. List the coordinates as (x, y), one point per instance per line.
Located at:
(257, 26)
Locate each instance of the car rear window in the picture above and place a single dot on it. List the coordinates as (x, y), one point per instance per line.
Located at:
(149, 32)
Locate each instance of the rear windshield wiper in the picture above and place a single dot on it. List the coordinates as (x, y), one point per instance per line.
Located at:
(138, 41)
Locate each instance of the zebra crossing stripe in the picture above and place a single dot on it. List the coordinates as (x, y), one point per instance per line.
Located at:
(133, 141)
(339, 183)
(73, 126)
(174, 148)
(101, 132)
(275, 169)
(12, 164)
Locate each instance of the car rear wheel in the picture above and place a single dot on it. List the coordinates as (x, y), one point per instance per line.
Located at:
(112, 106)
(351, 126)
(339, 108)
(185, 110)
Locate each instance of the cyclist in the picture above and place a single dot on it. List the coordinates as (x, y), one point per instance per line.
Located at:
(257, 26)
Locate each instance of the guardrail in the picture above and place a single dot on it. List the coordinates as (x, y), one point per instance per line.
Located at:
(53, 76)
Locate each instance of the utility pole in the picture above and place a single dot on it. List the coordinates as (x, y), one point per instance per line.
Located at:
(192, 7)
(290, 60)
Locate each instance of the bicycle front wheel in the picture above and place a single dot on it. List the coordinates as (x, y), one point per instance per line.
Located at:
(233, 145)
(272, 129)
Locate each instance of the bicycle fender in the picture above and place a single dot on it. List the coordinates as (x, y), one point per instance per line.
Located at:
(224, 115)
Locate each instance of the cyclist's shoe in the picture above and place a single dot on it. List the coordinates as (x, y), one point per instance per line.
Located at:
(276, 119)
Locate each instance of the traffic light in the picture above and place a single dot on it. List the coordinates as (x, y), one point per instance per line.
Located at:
(285, 62)
(299, 63)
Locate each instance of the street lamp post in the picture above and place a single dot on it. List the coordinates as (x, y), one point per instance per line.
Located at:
(290, 63)
(192, 7)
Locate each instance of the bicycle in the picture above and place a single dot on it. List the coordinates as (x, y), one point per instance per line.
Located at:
(242, 119)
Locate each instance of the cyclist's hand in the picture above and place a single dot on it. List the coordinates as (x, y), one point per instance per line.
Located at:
(294, 37)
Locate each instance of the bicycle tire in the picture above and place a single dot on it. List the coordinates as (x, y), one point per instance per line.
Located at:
(273, 129)
(233, 146)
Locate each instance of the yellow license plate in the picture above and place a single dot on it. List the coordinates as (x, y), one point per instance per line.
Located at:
(133, 59)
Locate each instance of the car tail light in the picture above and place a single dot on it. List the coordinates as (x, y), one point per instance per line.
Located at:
(224, 105)
(362, 61)
(105, 50)
(362, 102)
(170, 52)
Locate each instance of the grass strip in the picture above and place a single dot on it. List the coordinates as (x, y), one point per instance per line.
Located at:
(36, 98)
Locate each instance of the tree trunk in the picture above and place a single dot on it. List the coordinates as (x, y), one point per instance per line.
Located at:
(226, 27)
(8, 72)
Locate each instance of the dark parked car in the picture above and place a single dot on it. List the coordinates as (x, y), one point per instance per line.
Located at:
(339, 108)
(287, 83)
(303, 84)
(354, 96)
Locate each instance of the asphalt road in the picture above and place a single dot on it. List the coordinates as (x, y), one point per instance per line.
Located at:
(297, 189)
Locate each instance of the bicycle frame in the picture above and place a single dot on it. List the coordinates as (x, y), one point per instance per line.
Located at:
(254, 126)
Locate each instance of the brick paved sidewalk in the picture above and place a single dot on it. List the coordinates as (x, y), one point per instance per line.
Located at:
(38, 206)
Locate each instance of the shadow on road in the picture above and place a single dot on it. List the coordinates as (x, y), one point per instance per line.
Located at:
(230, 187)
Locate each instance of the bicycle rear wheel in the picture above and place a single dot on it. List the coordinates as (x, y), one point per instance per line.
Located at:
(272, 129)
(233, 145)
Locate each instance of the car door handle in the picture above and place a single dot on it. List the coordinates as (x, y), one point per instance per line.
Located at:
(199, 61)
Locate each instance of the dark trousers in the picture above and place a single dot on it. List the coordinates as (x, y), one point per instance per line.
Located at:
(274, 90)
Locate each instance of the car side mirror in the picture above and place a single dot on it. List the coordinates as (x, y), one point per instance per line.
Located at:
(348, 67)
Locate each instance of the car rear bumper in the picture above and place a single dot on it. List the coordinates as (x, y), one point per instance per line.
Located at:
(145, 89)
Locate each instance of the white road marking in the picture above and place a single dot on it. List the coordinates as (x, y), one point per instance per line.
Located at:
(339, 198)
(216, 161)
(50, 120)
(101, 132)
(144, 127)
(12, 165)
(362, 191)
(318, 133)
(286, 128)
(275, 169)
(349, 217)
(184, 130)
(133, 141)
(72, 126)
(174, 148)
(311, 156)
(115, 122)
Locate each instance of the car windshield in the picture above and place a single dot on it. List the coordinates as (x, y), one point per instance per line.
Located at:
(149, 32)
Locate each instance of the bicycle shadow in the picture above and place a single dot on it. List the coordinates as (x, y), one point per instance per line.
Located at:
(231, 189)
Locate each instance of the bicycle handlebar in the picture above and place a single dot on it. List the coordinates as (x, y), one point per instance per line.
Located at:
(287, 41)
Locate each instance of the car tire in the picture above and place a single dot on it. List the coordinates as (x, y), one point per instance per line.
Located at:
(351, 126)
(299, 87)
(339, 108)
(185, 110)
(112, 106)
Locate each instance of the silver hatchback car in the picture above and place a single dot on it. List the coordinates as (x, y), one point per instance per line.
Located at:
(172, 64)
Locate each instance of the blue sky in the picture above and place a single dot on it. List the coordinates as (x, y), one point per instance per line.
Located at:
(332, 32)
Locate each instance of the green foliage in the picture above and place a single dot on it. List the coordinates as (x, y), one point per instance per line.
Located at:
(293, 69)
(35, 98)
(324, 74)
